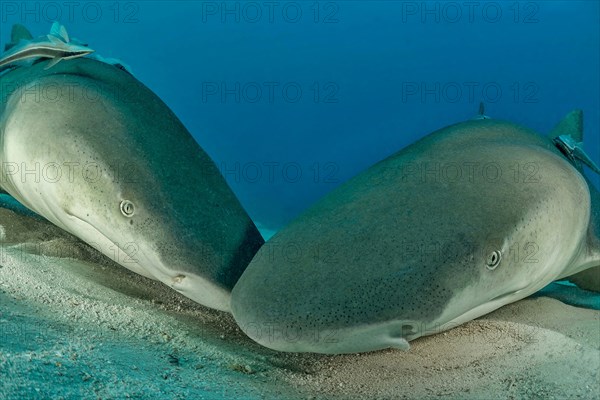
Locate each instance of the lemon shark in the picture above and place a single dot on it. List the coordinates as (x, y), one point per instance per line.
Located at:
(57, 46)
(469, 218)
(95, 152)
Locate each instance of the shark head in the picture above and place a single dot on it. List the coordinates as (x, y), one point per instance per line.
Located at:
(446, 230)
(75, 51)
(114, 166)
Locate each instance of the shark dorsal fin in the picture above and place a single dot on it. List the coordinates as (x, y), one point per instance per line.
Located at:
(59, 31)
(56, 40)
(18, 33)
(567, 135)
(481, 113)
(571, 124)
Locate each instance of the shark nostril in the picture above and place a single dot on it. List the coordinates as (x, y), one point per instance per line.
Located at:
(406, 329)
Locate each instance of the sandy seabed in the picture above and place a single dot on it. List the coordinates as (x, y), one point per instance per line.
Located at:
(72, 328)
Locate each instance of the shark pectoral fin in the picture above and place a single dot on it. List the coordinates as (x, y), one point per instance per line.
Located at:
(59, 31)
(52, 62)
(399, 343)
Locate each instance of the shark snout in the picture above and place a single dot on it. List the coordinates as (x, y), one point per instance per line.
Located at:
(183, 271)
(78, 51)
(201, 290)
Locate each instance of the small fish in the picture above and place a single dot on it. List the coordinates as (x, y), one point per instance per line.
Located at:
(56, 46)
(574, 152)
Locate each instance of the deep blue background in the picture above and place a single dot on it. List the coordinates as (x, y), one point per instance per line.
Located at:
(366, 51)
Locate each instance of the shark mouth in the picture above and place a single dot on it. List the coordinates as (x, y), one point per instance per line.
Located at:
(146, 263)
(502, 297)
(127, 255)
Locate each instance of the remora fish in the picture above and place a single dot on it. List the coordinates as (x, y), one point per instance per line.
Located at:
(56, 46)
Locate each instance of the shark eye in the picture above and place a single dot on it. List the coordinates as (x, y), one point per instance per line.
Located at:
(493, 260)
(127, 208)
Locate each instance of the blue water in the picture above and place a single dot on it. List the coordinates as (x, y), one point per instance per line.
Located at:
(373, 77)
